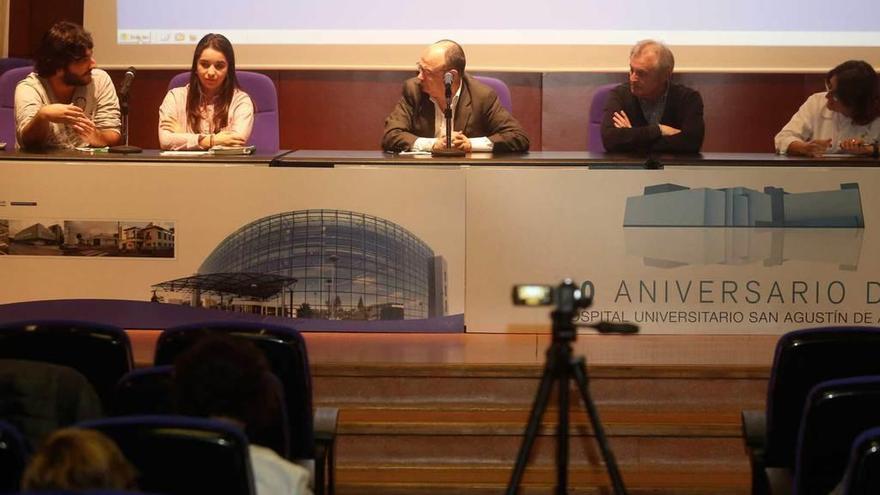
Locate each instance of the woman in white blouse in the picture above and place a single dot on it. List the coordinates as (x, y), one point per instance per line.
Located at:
(211, 110)
(842, 119)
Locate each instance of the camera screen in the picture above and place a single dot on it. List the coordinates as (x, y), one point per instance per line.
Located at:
(533, 295)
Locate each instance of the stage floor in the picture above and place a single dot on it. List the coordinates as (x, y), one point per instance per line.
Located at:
(747, 351)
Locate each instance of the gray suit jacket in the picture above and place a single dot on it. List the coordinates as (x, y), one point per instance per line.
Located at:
(478, 114)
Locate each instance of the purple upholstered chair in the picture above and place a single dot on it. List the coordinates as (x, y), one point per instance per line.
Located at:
(501, 90)
(8, 81)
(13, 62)
(597, 109)
(262, 92)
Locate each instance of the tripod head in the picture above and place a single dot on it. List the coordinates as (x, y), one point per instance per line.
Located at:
(568, 298)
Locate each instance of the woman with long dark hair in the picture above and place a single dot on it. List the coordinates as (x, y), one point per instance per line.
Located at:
(841, 119)
(211, 110)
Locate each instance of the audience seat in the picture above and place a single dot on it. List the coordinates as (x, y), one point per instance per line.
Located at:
(803, 359)
(597, 111)
(501, 90)
(150, 391)
(265, 134)
(180, 455)
(312, 434)
(14, 452)
(837, 411)
(102, 353)
(8, 81)
(39, 398)
(863, 469)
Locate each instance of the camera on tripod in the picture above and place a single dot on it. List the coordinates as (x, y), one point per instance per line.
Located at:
(567, 297)
(562, 367)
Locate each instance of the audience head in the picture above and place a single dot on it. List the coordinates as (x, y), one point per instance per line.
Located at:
(441, 57)
(650, 67)
(212, 76)
(66, 50)
(78, 459)
(226, 378)
(852, 90)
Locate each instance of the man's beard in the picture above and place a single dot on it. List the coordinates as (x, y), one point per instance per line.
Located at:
(72, 79)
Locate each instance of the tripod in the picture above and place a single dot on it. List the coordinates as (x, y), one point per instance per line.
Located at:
(561, 366)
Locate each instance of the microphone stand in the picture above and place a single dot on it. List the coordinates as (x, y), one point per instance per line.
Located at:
(124, 148)
(447, 114)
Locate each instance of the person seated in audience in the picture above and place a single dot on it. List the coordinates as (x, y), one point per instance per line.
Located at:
(66, 102)
(479, 122)
(228, 379)
(650, 113)
(211, 110)
(841, 119)
(78, 459)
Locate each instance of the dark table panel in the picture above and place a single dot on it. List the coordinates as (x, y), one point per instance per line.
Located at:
(145, 156)
(330, 158)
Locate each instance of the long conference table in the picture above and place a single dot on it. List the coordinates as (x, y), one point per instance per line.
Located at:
(331, 158)
(492, 221)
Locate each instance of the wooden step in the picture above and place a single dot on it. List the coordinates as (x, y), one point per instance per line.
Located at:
(455, 480)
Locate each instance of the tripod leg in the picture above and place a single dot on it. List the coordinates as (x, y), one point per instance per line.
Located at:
(562, 433)
(538, 408)
(579, 369)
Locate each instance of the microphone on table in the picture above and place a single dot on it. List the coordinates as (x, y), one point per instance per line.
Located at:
(126, 84)
(122, 94)
(447, 114)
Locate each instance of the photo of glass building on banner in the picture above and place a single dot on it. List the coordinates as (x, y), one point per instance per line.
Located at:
(323, 264)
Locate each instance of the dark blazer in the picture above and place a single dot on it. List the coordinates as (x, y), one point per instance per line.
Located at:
(478, 114)
(684, 111)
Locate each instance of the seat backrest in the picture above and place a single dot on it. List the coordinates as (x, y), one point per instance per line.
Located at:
(500, 88)
(14, 452)
(178, 455)
(144, 391)
(8, 81)
(836, 412)
(284, 348)
(863, 468)
(803, 359)
(261, 89)
(39, 397)
(102, 353)
(150, 391)
(597, 111)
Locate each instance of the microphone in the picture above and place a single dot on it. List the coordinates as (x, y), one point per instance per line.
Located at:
(447, 81)
(447, 115)
(126, 84)
(122, 94)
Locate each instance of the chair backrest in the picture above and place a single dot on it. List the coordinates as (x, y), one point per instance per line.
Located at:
(284, 348)
(150, 391)
(8, 81)
(178, 455)
(144, 391)
(261, 89)
(863, 468)
(597, 111)
(501, 90)
(14, 452)
(836, 412)
(39, 397)
(803, 359)
(102, 353)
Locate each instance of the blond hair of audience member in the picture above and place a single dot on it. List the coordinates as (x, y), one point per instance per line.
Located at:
(78, 459)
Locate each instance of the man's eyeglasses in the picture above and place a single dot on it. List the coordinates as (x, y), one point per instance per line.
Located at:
(426, 71)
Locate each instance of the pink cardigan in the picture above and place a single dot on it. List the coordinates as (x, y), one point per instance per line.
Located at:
(175, 132)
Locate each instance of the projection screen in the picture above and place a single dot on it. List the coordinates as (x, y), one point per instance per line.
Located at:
(512, 35)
